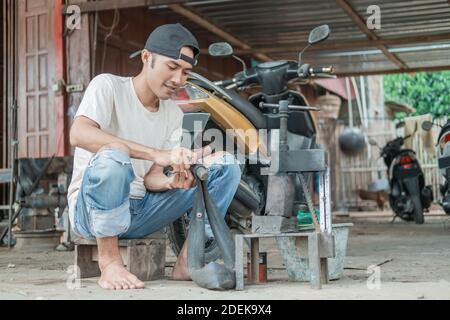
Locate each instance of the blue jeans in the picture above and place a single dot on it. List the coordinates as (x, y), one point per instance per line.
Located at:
(104, 207)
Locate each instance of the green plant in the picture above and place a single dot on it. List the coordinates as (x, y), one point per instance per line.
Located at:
(427, 92)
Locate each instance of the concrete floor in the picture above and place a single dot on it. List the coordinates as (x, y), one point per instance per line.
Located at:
(416, 266)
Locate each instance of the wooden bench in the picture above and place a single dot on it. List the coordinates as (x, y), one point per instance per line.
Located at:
(145, 258)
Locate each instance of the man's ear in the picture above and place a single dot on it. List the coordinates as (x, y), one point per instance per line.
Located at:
(145, 56)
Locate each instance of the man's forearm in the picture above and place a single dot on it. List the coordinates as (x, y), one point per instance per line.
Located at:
(156, 182)
(92, 139)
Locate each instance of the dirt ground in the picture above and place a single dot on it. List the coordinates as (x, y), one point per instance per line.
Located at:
(415, 264)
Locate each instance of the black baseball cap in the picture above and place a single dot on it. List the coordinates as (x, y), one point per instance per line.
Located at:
(168, 40)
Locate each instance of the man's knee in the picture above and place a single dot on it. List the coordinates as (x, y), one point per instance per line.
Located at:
(110, 173)
(111, 165)
(110, 222)
(232, 172)
(228, 168)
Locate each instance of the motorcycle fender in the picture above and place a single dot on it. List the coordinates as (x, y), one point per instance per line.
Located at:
(412, 186)
(232, 122)
(395, 190)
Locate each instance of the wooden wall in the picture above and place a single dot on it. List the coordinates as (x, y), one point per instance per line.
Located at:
(352, 173)
(3, 111)
(130, 32)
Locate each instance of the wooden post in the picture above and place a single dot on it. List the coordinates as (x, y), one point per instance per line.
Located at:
(314, 260)
(239, 263)
(254, 259)
(78, 54)
(60, 105)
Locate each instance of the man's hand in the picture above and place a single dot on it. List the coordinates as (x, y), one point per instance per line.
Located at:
(182, 180)
(180, 159)
(156, 181)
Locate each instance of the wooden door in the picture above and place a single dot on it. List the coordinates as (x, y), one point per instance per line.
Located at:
(40, 131)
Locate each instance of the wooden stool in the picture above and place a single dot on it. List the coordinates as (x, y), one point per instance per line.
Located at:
(145, 258)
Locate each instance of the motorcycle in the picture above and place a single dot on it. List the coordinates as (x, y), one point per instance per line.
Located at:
(443, 157)
(408, 194)
(219, 106)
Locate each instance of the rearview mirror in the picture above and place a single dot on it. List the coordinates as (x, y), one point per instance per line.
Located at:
(427, 125)
(220, 49)
(319, 34)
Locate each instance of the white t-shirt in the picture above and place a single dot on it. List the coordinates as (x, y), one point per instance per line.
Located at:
(112, 102)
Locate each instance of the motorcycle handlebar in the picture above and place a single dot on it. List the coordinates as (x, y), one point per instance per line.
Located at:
(306, 71)
(224, 83)
(250, 76)
(290, 106)
(318, 70)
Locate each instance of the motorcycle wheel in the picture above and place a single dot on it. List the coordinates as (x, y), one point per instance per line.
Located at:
(418, 210)
(177, 231)
(177, 234)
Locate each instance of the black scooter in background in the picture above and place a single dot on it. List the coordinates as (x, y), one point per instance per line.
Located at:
(408, 196)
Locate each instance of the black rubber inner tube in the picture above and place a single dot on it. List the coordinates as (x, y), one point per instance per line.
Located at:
(213, 276)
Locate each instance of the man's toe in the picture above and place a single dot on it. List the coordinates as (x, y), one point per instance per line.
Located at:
(132, 279)
(139, 284)
(118, 285)
(106, 285)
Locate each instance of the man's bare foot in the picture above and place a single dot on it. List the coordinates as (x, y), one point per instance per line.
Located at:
(180, 269)
(116, 277)
(180, 273)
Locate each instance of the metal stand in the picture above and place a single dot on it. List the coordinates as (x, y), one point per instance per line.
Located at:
(320, 248)
(320, 242)
(285, 166)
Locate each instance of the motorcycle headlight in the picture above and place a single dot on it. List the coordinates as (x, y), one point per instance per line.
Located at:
(189, 92)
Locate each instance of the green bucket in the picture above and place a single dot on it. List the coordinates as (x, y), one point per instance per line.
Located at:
(304, 218)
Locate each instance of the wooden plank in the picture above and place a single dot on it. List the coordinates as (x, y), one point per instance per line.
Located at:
(147, 262)
(254, 258)
(361, 24)
(83, 259)
(126, 242)
(78, 48)
(314, 261)
(3, 81)
(267, 235)
(324, 270)
(239, 261)
(60, 100)
(190, 14)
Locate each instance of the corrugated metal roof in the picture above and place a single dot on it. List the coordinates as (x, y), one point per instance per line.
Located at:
(285, 24)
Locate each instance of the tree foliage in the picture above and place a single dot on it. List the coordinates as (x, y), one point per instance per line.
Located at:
(427, 92)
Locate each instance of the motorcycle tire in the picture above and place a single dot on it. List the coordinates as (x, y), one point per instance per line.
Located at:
(177, 230)
(177, 234)
(418, 210)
